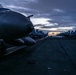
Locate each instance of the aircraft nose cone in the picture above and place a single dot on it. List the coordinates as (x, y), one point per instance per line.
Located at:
(32, 27)
(14, 25)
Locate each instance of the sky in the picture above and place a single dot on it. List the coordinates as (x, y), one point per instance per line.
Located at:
(49, 15)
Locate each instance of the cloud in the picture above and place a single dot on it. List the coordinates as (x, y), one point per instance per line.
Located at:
(43, 21)
(16, 7)
(32, 1)
(58, 10)
(61, 29)
(55, 14)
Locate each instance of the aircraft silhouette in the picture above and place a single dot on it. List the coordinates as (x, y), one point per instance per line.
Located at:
(14, 26)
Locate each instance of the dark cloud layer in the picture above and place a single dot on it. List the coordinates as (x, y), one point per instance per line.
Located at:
(62, 12)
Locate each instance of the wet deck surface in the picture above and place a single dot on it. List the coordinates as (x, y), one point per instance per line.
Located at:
(48, 57)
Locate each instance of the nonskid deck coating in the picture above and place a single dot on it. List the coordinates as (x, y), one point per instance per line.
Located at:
(48, 57)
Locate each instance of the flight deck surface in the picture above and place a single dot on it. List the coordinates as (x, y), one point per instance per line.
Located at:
(47, 57)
